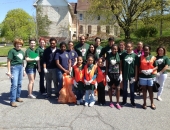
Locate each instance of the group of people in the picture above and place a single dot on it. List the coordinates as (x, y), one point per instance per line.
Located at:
(92, 67)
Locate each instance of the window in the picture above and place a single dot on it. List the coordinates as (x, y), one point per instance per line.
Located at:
(98, 18)
(81, 29)
(89, 29)
(108, 29)
(81, 17)
(98, 29)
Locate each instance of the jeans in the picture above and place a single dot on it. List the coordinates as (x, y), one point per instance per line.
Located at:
(51, 76)
(125, 86)
(79, 94)
(60, 79)
(41, 82)
(89, 96)
(16, 82)
(101, 93)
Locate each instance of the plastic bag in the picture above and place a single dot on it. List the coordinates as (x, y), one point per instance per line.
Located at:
(66, 93)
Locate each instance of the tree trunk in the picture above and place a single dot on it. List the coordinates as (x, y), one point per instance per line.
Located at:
(127, 33)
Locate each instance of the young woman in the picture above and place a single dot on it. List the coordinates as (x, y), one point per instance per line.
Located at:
(72, 53)
(101, 81)
(32, 59)
(148, 70)
(163, 62)
(121, 47)
(78, 76)
(90, 81)
(113, 74)
(63, 63)
(92, 51)
(15, 67)
(40, 51)
(129, 69)
(139, 50)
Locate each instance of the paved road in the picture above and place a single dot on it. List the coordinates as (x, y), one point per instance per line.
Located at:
(40, 114)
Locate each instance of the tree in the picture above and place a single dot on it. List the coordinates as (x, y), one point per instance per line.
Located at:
(42, 22)
(18, 23)
(125, 12)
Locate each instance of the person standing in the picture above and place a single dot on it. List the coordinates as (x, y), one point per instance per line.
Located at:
(40, 51)
(32, 59)
(50, 67)
(15, 65)
(97, 46)
(81, 48)
(148, 69)
(92, 51)
(107, 50)
(63, 63)
(129, 68)
(163, 62)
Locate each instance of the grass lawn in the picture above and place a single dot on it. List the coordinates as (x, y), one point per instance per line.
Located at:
(4, 50)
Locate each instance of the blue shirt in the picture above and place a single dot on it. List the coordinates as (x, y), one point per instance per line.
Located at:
(63, 58)
(73, 55)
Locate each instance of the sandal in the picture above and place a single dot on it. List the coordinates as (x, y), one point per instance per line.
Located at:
(144, 106)
(153, 107)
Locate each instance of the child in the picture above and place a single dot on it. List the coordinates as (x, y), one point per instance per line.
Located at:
(113, 74)
(90, 81)
(129, 68)
(78, 76)
(101, 81)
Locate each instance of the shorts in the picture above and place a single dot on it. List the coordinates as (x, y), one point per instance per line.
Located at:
(114, 79)
(30, 70)
(146, 81)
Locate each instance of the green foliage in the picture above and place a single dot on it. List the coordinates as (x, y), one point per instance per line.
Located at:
(43, 22)
(18, 23)
(146, 32)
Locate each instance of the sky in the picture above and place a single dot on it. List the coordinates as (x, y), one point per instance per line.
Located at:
(26, 5)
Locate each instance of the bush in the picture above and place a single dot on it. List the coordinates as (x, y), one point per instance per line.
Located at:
(146, 32)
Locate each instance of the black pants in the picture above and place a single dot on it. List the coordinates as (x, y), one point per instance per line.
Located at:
(41, 82)
(101, 93)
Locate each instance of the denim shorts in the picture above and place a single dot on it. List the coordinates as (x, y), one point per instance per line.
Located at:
(146, 81)
(30, 70)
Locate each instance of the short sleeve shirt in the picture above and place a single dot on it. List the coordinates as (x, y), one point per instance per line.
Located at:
(81, 50)
(40, 52)
(63, 58)
(98, 51)
(30, 64)
(73, 56)
(162, 61)
(113, 68)
(105, 51)
(129, 62)
(16, 56)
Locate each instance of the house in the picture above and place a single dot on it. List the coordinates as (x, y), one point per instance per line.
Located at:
(69, 21)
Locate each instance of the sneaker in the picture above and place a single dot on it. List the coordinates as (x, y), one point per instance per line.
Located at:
(31, 96)
(81, 101)
(13, 104)
(159, 98)
(123, 104)
(19, 100)
(111, 105)
(78, 102)
(133, 105)
(86, 104)
(91, 104)
(44, 94)
(118, 106)
(47, 96)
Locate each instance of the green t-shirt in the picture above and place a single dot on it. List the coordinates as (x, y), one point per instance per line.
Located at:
(141, 75)
(40, 52)
(31, 54)
(98, 51)
(81, 50)
(113, 58)
(129, 62)
(120, 52)
(162, 61)
(105, 51)
(16, 56)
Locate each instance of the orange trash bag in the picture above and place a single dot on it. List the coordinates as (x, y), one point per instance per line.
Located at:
(66, 93)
